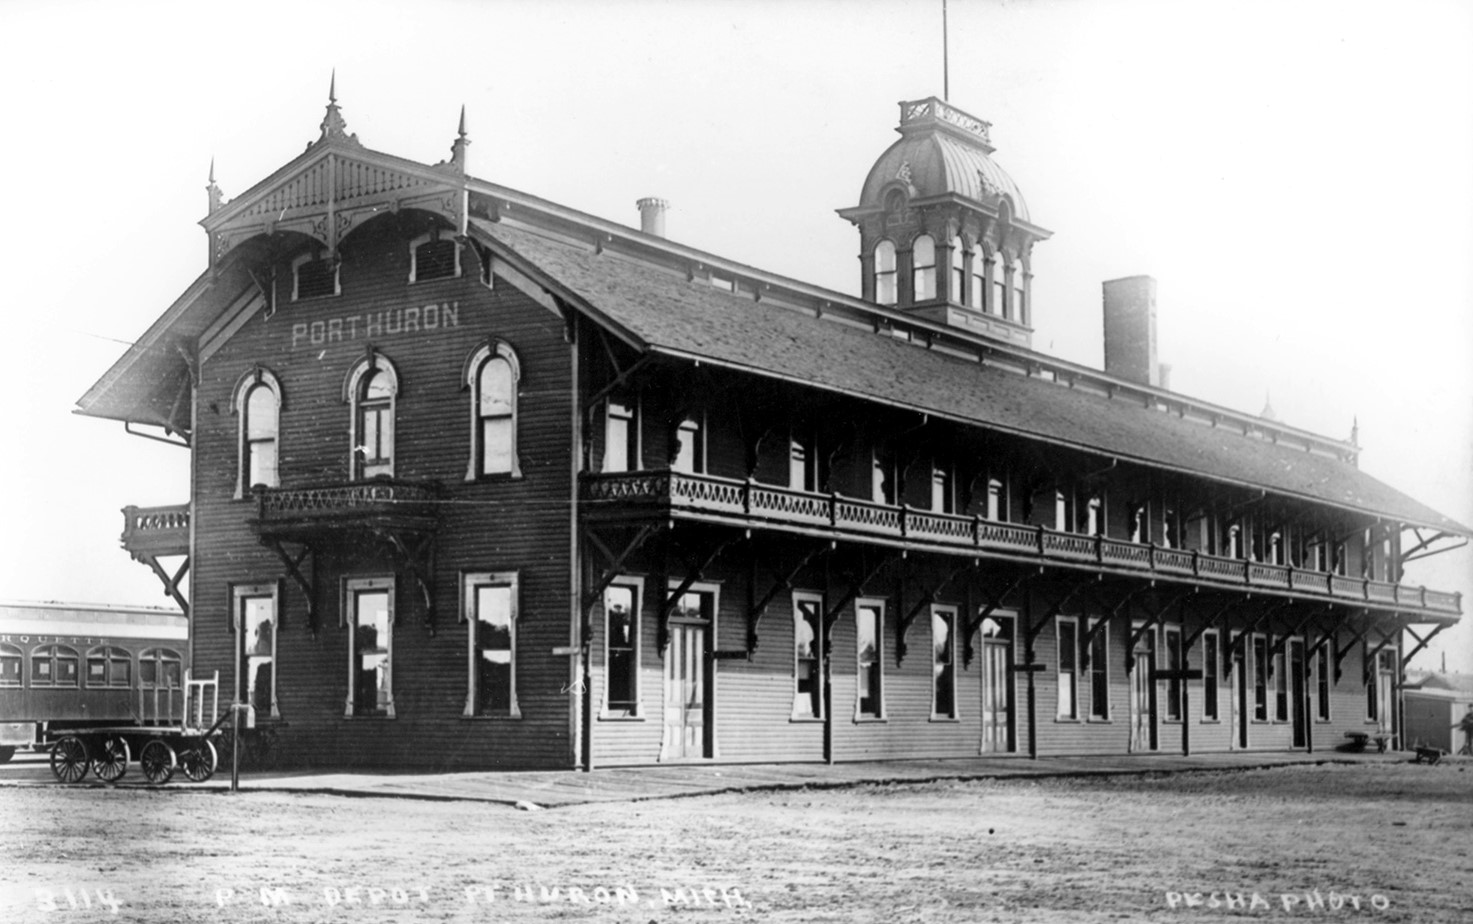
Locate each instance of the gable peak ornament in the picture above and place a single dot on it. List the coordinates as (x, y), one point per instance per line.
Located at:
(334, 127)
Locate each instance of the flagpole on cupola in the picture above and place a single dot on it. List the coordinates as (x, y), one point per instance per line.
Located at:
(945, 57)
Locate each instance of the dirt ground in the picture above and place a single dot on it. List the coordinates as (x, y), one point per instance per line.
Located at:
(1391, 842)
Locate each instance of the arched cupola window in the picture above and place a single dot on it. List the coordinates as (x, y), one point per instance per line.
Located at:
(257, 402)
(923, 268)
(999, 284)
(372, 391)
(1018, 309)
(433, 255)
(977, 296)
(493, 375)
(315, 276)
(885, 292)
(958, 272)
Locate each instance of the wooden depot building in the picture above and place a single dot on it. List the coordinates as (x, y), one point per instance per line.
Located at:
(479, 480)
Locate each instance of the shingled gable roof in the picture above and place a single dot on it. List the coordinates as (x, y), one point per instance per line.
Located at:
(666, 314)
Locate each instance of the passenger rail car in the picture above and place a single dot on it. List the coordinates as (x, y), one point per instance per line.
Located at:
(95, 684)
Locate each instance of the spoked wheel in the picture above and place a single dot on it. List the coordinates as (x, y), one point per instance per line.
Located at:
(199, 760)
(158, 762)
(69, 759)
(110, 761)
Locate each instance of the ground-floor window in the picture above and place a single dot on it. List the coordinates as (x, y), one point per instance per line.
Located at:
(869, 649)
(807, 656)
(255, 608)
(943, 662)
(489, 608)
(1211, 661)
(1099, 671)
(1322, 682)
(1260, 678)
(1068, 636)
(621, 647)
(369, 613)
(1173, 663)
(1281, 687)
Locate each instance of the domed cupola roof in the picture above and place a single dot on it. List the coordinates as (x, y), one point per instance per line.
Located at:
(942, 152)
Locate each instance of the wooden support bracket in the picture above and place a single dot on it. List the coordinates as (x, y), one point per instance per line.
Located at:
(418, 553)
(1421, 643)
(692, 575)
(975, 623)
(784, 581)
(171, 582)
(308, 586)
(1340, 653)
(902, 626)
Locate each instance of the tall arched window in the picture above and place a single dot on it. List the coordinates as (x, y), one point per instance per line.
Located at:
(54, 666)
(11, 660)
(999, 283)
(372, 391)
(109, 666)
(923, 268)
(257, 402)
(977, 297)
(493, 376)
(958, 272)
(1018, 311)
(885, 293)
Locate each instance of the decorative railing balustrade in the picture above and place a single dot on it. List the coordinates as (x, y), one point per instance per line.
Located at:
(160, 530)
(346, 500)
(751, 500)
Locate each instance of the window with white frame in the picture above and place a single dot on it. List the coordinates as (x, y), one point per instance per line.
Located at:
(493, 376)
(869, 618)
(943, 662)
(256, 402)
(1099, 672)
(923, 268)
(1211, 674)
(1322, 682)
(807, 656)
(803, 461)
(55, 666)
(372, 391)
(1173, 663)
(884, 475)
(314, 276)
(690, 446)
(489, 607)
(255, 618)
(621, 434)
(997, 498)
(1260, 679)
(1068, 638)
(885, 289)
(621, 647)
(368, 610)
(943, 486)
(433, 255)
(1281, 687)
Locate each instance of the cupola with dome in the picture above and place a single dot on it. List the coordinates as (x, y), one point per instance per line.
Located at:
(944, 231)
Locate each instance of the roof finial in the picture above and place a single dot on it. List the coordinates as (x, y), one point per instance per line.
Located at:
(1355, 431)
(1268, 408)
(333, 125)
(457, 150)
(212, 189)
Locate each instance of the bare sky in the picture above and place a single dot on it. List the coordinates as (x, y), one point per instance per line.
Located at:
(1295, 174)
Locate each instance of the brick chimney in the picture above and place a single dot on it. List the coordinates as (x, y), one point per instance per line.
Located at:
(1130, 330)
(652, 215)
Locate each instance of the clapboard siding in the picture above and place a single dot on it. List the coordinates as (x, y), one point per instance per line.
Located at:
(430, 674)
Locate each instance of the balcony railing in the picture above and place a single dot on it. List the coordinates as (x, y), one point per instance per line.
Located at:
(342, 505)
(751, 501)
(156, 530)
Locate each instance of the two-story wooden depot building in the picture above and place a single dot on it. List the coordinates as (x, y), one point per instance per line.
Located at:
(479, 480)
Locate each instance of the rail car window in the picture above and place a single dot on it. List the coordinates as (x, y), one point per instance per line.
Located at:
(109, 667)
(10, 666)
(255, 620)
(489, 602)
(160, 668)
(54, 666)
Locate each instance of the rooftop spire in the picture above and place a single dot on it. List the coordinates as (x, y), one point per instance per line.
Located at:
(333, 125)
(457, 150)
(212, 189)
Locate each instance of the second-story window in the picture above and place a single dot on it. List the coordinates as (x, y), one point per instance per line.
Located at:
(923, 268)
(958, 272)
(314, 277)
(257, 402)
(690, 447)
(999, 284)
(943, 487)
(1018, 310)
(884, 476)
(372, 389)
(433, 255)
(997, 499)
(493, 376)
(885, 291)
(977, 297)
(621, 434)
(802, 463)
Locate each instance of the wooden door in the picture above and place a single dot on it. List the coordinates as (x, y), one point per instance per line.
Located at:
(1142, 702)
(997, 704)
(1298, 707)
(686, 700)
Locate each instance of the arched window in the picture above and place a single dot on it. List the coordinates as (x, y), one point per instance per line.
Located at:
(923, 268)
(372, 390)
(690, 447)
(999, 284)
(11, 660)
(433, 255)
(885, 273)
(1019, 309)
(160, 668)
(109, 667)
(54, 666)
(257, 402)
(958, 272)
(314, 276)
(977, 297)
(493, 376)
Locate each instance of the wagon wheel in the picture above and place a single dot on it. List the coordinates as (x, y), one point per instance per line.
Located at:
(111, 760)
(199, 760)
(69, 759)
(158, 761)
